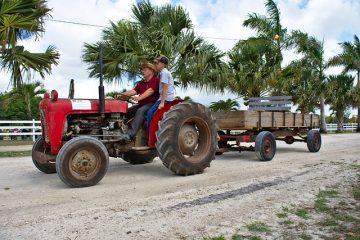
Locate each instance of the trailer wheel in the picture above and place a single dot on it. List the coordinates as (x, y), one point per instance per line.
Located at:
(313, 140)
(140, 157)
(186, 139)
(47, 168)
(82, 162)
(265, 146)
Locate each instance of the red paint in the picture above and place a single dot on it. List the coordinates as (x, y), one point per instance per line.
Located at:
(158, 116)
(246, 138)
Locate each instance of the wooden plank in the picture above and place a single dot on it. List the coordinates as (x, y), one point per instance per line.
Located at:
(233, 120)
(270, 98)
(270, 103)
(269, 108)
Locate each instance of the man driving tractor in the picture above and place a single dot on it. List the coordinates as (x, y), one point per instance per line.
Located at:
(148, 91)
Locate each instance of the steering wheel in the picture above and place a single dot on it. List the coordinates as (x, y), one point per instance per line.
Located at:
(126, 98)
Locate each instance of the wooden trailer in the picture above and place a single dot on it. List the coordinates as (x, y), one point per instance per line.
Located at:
(263, 127)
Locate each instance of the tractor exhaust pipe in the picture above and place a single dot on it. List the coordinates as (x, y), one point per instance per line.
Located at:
(101, 86)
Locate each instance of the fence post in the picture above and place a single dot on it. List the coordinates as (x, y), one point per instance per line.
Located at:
(33, 130)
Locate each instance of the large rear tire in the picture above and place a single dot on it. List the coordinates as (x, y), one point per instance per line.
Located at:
(186, 139)
(265, 146)
(139, 156)
(82, 162)
(47, 168)
(313, 140)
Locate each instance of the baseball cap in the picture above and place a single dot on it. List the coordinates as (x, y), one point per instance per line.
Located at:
(162, 59)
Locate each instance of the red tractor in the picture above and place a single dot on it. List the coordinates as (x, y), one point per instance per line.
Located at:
(79, 135)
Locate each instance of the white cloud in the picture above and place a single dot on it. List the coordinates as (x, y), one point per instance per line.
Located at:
(335, 21)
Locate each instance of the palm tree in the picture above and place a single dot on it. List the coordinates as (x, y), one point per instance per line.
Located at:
(251, 68)
(224, 106)
(28, 92)
(21, 19)
(302, 85)
(20, 62)
(314, 58)
(340, 96)
(350, 59)
(154, 30)
(271, 31)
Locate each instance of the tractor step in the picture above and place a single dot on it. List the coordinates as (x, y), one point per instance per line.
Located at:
(142, 148)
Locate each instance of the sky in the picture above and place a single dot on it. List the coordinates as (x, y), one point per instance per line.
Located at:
(218, 21)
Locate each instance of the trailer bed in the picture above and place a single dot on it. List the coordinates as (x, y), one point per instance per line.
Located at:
(257, 120)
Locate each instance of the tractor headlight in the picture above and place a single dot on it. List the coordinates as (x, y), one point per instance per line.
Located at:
(54, 95)
(46, 95)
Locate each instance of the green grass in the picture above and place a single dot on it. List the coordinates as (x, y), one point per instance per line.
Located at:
(305, 236)
(15, 154)
(357, 194)
(239, 237)
(285, 209)
(216, 238)
(321, 205)
(328, 194)
(234, 237)
(354, 233)
(16, 142)
(258, 227)
(302, 212)
(282, 215)
(344, 217)
(356, 166)
(287, 222)
(329, 222)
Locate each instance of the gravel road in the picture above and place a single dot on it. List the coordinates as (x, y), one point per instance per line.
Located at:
(150, 202)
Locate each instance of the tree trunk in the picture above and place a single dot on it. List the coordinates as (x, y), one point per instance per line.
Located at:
(340, 121)
(322, 114)
(28, 107)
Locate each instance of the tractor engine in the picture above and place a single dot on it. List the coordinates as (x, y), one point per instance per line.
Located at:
(64, 119)
(92, 125)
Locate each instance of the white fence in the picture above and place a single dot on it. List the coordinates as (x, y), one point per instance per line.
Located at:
(12, 129)
(348, 127)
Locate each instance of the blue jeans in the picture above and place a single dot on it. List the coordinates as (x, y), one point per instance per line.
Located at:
(150, 113)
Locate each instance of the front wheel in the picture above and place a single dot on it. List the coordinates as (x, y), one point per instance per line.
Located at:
(265, 146)
(39, 146)
(313, 140)
(186, 139)
(82, 162)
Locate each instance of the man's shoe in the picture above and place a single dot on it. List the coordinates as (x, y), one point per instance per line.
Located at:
(126, 137)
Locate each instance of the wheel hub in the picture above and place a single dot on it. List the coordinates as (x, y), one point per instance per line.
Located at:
(188, 139)
(83, 163)
(267, 146)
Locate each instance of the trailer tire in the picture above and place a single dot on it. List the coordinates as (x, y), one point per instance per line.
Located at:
(187, 138)
(313, 140)
(265, 146)
(140, 157)
(47, 168)
(82, 162)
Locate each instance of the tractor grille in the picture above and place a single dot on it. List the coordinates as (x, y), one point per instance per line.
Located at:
(44, 126)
